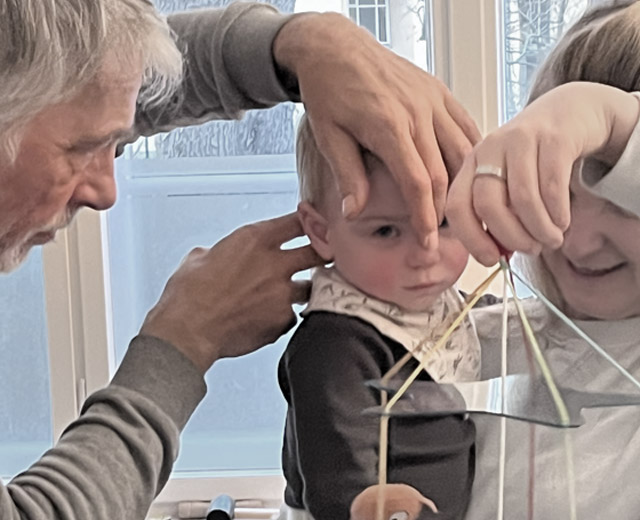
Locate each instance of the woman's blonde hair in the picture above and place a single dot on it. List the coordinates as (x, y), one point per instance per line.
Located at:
(601, 47)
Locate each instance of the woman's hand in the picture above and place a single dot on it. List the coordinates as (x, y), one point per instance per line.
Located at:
(527, 206)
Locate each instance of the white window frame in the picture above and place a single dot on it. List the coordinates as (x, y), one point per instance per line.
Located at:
(358, 6)
(76, 274)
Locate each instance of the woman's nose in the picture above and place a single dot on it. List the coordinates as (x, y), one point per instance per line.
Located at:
(584, 235)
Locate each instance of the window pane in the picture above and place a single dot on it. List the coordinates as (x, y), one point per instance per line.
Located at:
(25, 399)
(382, 24)
(368, 21)
(531, 28)
(239, 425)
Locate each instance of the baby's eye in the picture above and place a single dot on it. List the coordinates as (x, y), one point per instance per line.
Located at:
(387, 232)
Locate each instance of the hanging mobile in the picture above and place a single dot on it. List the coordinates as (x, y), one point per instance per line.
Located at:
(533, 398)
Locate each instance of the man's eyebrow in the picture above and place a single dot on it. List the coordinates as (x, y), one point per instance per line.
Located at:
(95, 141)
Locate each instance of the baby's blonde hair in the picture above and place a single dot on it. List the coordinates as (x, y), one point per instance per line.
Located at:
(315, 179)
(314, 172)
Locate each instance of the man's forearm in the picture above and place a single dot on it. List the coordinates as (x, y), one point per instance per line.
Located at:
(229, 66)
(116, 457)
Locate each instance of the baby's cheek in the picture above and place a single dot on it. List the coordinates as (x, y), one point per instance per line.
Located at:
(379, 279)
(456, 258)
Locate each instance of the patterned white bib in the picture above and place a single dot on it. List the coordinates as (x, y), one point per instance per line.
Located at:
(457, 360)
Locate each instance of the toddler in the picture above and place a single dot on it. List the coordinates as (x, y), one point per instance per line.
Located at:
(383, 295)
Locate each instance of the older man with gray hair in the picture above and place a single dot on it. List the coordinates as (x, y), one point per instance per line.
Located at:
(80, 77)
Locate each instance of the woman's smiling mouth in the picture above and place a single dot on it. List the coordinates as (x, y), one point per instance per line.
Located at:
(590, 272)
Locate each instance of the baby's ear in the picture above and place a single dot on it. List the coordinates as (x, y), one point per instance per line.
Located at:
(316, 227)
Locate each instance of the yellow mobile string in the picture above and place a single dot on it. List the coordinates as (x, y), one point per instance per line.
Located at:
(384, 419)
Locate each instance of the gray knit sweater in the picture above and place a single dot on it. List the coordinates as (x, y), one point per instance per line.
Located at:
(111, 462)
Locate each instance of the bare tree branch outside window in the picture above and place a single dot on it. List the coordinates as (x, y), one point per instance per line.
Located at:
(531, 28)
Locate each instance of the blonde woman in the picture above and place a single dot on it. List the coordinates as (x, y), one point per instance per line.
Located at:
(563, 186)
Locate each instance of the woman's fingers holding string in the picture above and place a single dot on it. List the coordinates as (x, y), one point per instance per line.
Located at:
(526, 176)
(492, 205)
(513, 189)
(463, 219)
(555, 164)
(481, 209)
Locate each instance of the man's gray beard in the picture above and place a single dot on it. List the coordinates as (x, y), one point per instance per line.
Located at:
(13, 257)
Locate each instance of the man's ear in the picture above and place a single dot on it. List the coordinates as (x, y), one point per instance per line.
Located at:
(316, 227)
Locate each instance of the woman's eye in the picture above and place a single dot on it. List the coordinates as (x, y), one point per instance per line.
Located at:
(386, 232)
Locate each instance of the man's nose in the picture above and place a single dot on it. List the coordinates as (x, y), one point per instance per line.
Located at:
(97, 189)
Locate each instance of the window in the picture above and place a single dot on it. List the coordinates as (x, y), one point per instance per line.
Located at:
(530, 29)
(373, 16)
(25, 401)
(172, 214)
(189, 188)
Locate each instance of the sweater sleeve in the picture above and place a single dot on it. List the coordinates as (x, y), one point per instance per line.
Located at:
(116, 457)
(229, 66)
(326, 365)
(621, 184)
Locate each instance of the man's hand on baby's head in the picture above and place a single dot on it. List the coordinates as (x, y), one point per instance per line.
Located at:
(235, 297)
(385, 104)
